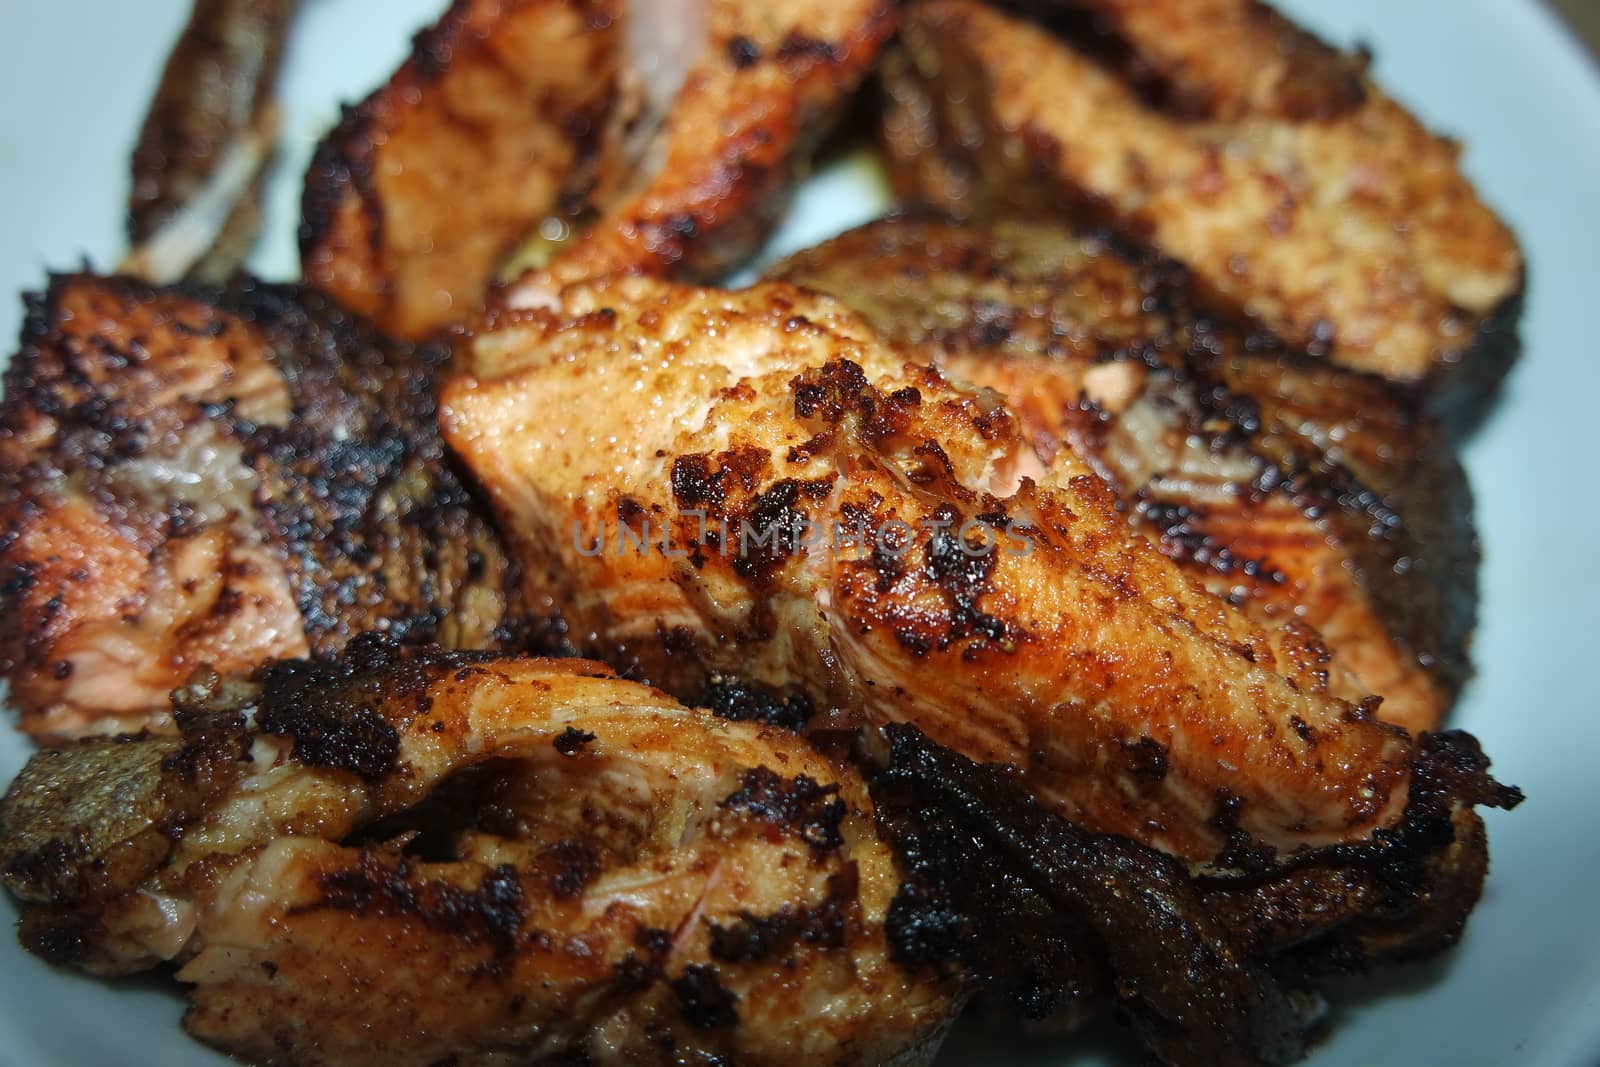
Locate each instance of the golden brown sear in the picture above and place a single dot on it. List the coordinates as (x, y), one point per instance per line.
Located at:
(754, 484)
(420, 192)
(614, 135)
(413, 858)
(1300, 491)
(1272, 166)
(194, 480)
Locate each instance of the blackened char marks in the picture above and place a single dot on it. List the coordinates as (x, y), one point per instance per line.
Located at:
(701, 481)
(962, 572)
(840, 389)
(774, 527)
(695, 484)
(569, 866)
(1180, 539)
(352, 738)
(757, 938)
(703, 1001)
(377, 528)
(63, 937)
(1146, 758)
(743, 53)
(1401, 897)
(800, 805)
(736, 700)
(490, 915)
(798, 46)
(1051, 916)
(572, 741)
(347, 713)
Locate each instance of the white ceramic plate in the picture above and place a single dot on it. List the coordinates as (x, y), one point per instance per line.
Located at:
(1524, 988)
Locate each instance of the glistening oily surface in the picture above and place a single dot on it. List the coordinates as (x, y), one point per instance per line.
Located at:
(1525, 985)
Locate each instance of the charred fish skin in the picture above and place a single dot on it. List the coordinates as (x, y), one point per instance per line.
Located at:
(1262, 198)
(1126, 694)
(404, 856)
(1304, 492)
(1058, 924)
(195, 479)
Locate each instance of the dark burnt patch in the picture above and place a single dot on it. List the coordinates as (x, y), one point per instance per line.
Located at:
(490, 915)
(358, 488)
(347, 713)
(759, 938)
(572, 741)
(743, 53)
(63, 937)
(1147, 758)
(1239, 852)
(773, 527)
(813, 446)
(1401, 896)
(840, 389)
(962, 572)
(703, 1001)
(798, 46)
(1052, 919)
(568, 867)
(740, 701)
(1391, 502)
(799, 805)
(633, 974)
(654, 941)
(701, 481)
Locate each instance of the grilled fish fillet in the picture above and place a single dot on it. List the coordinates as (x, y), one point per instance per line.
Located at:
(194, 480)
(411, 859)
(1269, 164)
(615, 135)
(937, 583)
(1300, 491)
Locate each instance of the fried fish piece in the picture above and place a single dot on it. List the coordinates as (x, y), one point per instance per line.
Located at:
(1293, 187)
(754, 484)
(195, 205)
(1219, 970)
(408, 858)
(712, 163)
(616, 135)
(192, 479)
(419, 193)
(1299, 490)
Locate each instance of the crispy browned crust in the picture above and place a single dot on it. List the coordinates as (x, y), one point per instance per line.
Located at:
(1208, 970)
(215, 93)
(1185, 58)
(199, 479)
(515, 112)
(419, 193)
(1125, 693)
(433, 856)
(1310, 494)
(764, 90)
(1258, 194)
